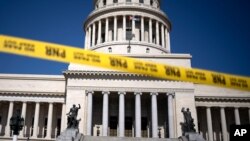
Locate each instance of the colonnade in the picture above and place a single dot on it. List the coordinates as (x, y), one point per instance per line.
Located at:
(36, 119)
(121, 122)
(99, 31)
(223, 121)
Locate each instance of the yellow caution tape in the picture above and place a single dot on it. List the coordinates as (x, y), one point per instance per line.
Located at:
(69, 54)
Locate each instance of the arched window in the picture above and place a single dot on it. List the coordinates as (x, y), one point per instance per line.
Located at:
(129, 49)
(141, 1)
(147, 50)
(115, 1)
(110, 49)
(104, 2)
(151, 2)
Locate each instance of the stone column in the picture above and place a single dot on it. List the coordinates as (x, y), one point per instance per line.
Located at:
(209, 124)
(150, 31)
(157, 33)
(107, 30)
(223, 124)
(36, 120)
(90, 109)
(142, 29)
(10, 113)
(49, 123)
(93, 35)
(237, 115)
(171, 114)
(167, 40)
(121, 113)
(105, 113)
(86, 39)
(63, 117)
(162, 36)
(99, 31)
(115, 28)
(154, 114)
(124, 27)
(89, 37)
(24, 107)
(138, 114)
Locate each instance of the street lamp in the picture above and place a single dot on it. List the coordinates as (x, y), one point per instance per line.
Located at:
(16, 124)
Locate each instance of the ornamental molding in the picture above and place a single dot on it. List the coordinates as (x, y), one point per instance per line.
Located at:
(32, 77)
(26, 93)
(31, 99)
(80, 74)
(119, 89)
(221, 99)
(223, 104)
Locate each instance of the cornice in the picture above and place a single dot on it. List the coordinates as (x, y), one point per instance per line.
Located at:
(221, 99)
(129, 89)
(110, 75)
(26, 93)
(32, 77)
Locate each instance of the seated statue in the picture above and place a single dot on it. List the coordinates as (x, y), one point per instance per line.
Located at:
(72, 117)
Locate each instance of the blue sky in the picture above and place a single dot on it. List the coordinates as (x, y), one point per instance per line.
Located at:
(215, 32)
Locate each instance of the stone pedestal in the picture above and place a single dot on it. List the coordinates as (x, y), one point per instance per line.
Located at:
(70, 135)
(192, 136)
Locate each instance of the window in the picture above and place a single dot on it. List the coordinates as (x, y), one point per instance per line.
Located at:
(129, 35)
(151, 2)
(128, 0)
(129, 49)
(141, 1)
(110, 49)
(115, 1)
(104, 2)
(147, 50)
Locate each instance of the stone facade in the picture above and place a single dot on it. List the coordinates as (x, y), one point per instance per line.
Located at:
(115, 103)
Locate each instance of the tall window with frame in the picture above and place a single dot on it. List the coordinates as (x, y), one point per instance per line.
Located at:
(141, 1)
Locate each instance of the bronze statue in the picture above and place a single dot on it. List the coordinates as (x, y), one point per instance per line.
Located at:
(16, 122)
(72, 117)
(188, 124)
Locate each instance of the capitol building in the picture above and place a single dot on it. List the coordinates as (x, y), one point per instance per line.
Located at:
(115, 103)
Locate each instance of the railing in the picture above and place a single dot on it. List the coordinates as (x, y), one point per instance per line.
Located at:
(149, 7)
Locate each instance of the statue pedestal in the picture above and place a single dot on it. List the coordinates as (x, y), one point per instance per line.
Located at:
(192, 136)
(70, 135)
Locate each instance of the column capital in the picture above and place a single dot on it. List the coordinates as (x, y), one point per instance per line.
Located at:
(105, 92)
(154, 93)
(136, 93)
(89, 92)
(171, 93)
(124, 93)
